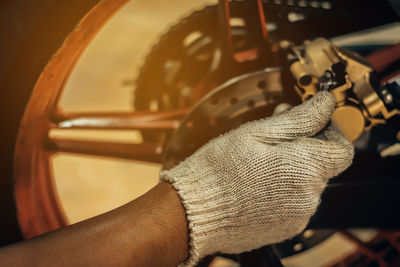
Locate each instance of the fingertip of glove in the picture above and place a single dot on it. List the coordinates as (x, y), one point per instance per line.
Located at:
(315, 113)
(320, 109)
(324, 101)
(343, 157)
(306, 119)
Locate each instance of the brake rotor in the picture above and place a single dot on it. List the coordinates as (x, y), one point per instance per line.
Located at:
(248, 97)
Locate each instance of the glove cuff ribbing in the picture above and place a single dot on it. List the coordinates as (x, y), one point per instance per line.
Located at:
(206, 211)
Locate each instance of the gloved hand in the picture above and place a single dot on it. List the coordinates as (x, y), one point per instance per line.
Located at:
(261, 183)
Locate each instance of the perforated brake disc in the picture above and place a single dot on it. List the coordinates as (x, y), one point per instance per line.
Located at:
(248, 97)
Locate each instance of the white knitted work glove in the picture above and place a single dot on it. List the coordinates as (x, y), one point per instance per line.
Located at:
(261, 183)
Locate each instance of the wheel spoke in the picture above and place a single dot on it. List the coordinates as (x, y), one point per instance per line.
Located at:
(135, 120)
(231, 59)
(258, 25)
(145, 151)
(151, 152)
(225, 31)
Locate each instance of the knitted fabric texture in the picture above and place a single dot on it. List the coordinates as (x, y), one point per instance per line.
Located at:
(261, 183)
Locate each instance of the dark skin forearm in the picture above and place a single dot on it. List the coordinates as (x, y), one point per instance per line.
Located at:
(149, 231)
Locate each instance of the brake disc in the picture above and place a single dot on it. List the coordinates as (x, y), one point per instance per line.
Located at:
(248, 97)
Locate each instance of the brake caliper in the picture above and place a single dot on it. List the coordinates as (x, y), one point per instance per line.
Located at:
(319, 65)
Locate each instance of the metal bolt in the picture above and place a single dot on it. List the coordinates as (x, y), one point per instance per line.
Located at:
(298, 247)
(387, 97)
(308, 233)
(327, 81)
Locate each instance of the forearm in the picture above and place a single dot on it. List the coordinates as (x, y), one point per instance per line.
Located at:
(149, 231)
